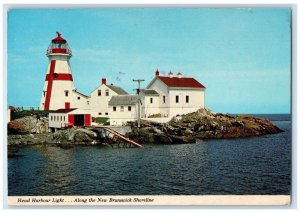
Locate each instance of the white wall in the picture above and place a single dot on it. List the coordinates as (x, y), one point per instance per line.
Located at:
(149, 108)
(196, 101)
(118, 117)
(58, 98)
(99, 104)
(62, 64)
(82, 103)
(120, 121)
(158, 120)
(58, 120)
(162, 90)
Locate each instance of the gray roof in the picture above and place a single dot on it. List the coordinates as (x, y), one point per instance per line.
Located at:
(63, 110)
(117, 90)
(123, 100)
(149, 92)
(79, 93)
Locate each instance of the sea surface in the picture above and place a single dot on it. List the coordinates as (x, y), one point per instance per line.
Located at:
(256, 165)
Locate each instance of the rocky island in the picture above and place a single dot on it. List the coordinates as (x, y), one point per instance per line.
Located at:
(202, 124)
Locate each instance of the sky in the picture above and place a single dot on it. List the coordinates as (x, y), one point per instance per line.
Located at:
(241, 55)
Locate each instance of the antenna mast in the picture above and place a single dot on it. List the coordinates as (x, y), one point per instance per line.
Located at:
(139, 99)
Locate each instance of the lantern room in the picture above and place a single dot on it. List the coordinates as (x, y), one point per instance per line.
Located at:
(59, 45)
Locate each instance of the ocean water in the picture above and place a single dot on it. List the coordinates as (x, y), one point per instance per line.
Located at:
(256, 165)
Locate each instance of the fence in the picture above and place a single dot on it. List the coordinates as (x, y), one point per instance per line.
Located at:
(22, 108)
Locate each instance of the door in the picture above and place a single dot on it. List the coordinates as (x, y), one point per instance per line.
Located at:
(79, 120)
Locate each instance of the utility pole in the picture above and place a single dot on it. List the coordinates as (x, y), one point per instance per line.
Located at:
(139, 99)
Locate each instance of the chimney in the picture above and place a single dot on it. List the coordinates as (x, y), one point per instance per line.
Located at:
(67, 105)
(157, 73)
(170, 74)
(179, 75)
(104, 81)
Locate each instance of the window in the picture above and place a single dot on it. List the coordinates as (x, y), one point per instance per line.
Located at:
(129, 108)
(66, 93)
(51, 118)
(54, 118)
(88, 102)
(164, 99)
(100, 113)
(107, 92)
(44, 92)
(151, 100)
(99, 92)
(187, 99)
(64, 118)
(106, 113)
(114, 108)
(78, 98)
(122, 109)
(177, 99)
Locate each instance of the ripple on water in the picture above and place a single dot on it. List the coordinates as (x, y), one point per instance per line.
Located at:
(239, 166)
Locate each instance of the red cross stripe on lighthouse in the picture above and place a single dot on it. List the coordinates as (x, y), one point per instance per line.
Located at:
(49, 86)
(59, 76)
(59, 84)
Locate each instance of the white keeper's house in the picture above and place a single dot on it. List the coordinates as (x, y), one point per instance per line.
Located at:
(164, 97)
(177, 95)
(101, 96)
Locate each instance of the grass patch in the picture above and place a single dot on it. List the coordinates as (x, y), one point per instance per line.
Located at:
(101, 120)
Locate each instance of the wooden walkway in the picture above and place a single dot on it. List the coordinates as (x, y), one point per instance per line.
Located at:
(118, 138)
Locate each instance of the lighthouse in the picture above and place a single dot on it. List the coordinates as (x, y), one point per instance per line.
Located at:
(59, 90)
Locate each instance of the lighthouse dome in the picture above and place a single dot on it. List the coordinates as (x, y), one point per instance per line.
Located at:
(59, 46)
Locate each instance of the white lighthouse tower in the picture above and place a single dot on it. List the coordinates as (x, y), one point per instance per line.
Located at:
(59, 90)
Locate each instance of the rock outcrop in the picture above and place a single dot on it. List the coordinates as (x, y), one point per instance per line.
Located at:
(29, 139)
(75, 136)
(28, 124)
(205, 125)
(202, 124)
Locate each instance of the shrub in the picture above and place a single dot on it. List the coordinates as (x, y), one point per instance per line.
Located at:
(101, 120)
(20, 114)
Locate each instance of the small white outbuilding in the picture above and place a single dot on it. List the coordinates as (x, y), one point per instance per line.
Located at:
(69, 117)
(123, 108)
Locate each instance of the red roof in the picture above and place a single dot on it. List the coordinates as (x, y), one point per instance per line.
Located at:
(58, 39)
(181, 82)
(64, 110)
